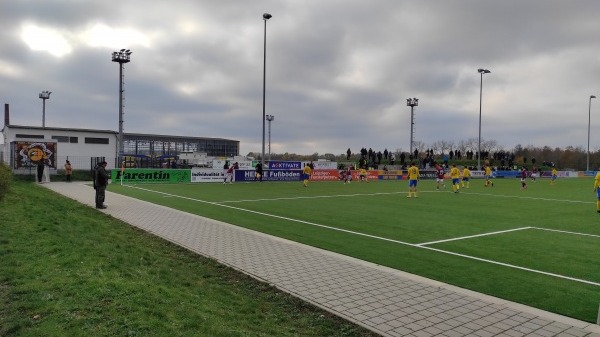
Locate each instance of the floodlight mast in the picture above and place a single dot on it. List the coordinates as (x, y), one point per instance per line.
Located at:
(270, 118)
(480, 71)
(589, 122)
(412, 103)
(44, 95)
(266, 16)
(122, 56)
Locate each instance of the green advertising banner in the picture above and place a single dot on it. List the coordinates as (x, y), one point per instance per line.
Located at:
(146, 176)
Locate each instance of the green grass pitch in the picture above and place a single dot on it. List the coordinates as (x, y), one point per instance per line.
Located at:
(538, 246)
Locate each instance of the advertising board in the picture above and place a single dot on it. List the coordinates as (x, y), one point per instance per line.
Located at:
(268, 175)
(285, 165)
(147, 176)
(28, 154)
(205, 175)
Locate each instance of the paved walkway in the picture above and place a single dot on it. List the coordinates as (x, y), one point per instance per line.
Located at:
(386, 301)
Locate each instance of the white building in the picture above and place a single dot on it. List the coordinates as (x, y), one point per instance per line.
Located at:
(58, 145)
(23, 147)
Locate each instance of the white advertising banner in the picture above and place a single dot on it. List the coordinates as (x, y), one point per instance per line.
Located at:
(323, 165)
(206, 175)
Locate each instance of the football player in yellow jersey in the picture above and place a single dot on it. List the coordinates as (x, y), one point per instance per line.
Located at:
(597, 190)
(455, 176)
(306, 172)
(488, 176)
(466, 175)
(413, 179)
(362, 175)
(554, 174)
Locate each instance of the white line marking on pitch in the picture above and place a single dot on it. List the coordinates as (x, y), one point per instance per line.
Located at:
(312, 197)
(530, 198)
(472, 236)
(379, 238)
(513, 266)
(566, 232)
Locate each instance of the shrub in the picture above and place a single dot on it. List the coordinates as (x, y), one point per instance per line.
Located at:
(5, 179)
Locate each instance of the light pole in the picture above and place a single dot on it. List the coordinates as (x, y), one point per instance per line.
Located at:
(481, 72)
(412, 103)
(270, 118)
(266, 16)
(589, 120)
(122, 56)
(44, 95)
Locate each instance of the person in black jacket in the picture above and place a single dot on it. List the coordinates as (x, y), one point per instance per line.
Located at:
(100, 183)
(40, 171)
(258, 172)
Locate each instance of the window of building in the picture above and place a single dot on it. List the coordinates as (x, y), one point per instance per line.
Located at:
(21, 135)
(61, 139)
(94, 140)
(74, 140)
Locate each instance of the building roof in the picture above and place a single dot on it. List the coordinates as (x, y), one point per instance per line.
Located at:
(125, 134)
(55, 128)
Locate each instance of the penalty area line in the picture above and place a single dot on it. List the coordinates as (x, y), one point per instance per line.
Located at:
(471, 236)
(312, 197)
(378, 238)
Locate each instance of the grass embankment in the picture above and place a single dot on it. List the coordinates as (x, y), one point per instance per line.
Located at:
(69, 270)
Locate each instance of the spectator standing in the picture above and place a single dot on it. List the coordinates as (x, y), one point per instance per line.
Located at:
(100, 183)
(68, 171)
(40, 171)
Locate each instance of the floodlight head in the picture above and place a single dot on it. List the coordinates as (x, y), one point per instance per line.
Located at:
(267, 16)
(483, 71)
(122, 50)
(592, 96)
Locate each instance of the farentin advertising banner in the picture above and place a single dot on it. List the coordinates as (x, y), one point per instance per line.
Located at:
(268, 175)
(146, 176)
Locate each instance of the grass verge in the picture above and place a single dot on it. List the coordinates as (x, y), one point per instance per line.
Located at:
(68, 270)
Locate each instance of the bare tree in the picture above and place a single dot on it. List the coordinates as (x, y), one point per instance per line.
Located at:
(420, 146)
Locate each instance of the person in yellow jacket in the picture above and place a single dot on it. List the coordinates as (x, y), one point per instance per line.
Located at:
(455, 176)
(466, 176)
(362, 175)
(488, 176)
(597, 190)
(554, 174)
(413, 179)
(306, 172)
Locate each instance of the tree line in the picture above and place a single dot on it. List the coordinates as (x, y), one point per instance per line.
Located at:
(567, 158)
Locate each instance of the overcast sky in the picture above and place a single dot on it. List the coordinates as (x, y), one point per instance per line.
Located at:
(338, 72)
